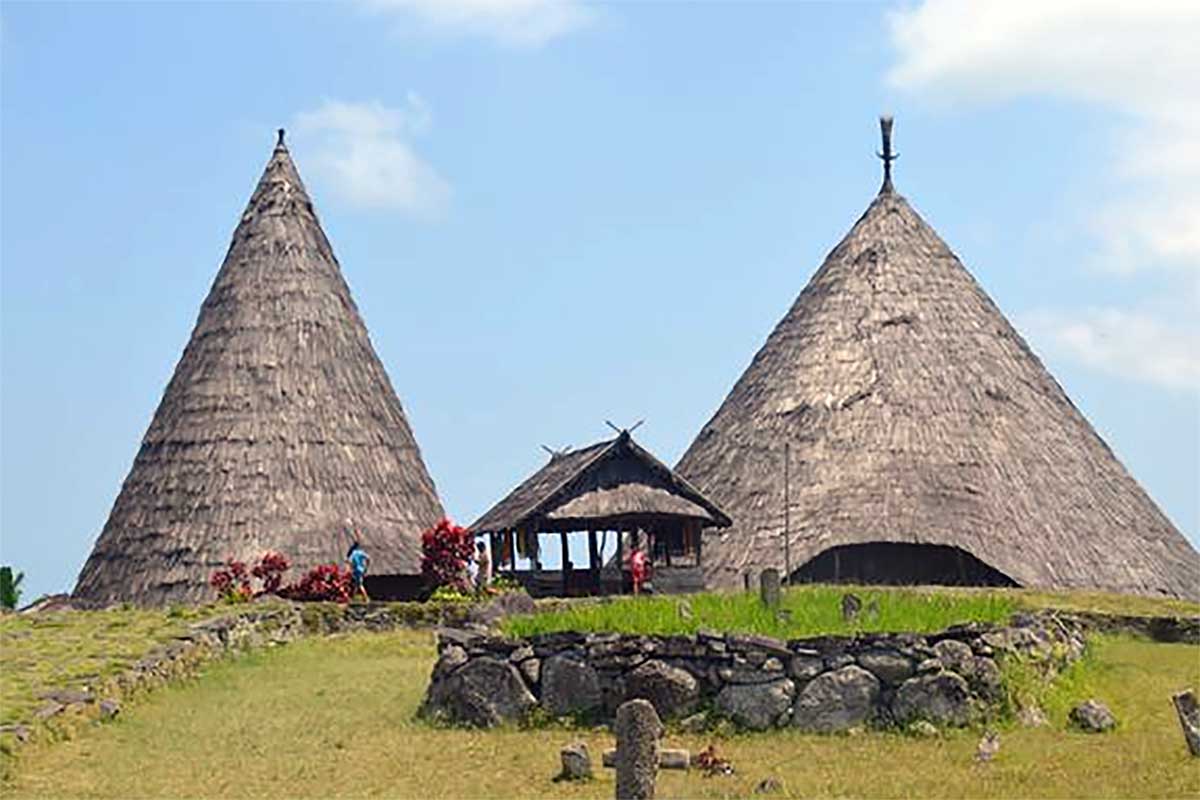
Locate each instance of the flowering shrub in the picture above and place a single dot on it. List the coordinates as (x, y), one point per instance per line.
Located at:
(269, 570)
(232, 583)
(445, 550)
(323, 582)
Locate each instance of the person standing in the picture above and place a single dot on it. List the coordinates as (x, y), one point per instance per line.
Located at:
(639, 565)
(358, 560)
(483, 567)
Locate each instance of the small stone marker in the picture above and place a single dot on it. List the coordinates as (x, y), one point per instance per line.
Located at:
(109, 708)
(851, 605)
(769, 587)
(1093, 717)
(638, 728)
(1189, 719)
(576, 763)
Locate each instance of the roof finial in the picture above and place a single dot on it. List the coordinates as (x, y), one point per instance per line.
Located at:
(885, 128)
(280, 142)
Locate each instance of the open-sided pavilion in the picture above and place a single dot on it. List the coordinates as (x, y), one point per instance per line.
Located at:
(614, 486)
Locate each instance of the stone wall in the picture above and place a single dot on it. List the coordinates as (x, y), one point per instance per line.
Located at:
(826, 684)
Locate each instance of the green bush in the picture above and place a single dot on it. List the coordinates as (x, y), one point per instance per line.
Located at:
(10, 587)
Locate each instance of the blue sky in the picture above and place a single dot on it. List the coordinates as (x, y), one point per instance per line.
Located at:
(552, 214)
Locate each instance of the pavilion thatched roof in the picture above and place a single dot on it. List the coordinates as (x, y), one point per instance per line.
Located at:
(606, 485)
(279, 429)
(915, 413)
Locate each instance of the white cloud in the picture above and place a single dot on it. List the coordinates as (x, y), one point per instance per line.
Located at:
(514, 23)
(364, 151)
(1139, 58)
(1137, 345)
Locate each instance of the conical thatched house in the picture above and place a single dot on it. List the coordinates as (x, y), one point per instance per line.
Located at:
(924, 441)
(279, 429)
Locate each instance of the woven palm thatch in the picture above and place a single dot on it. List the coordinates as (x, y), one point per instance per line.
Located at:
(611, 484)
(914, 413)
(278, 431)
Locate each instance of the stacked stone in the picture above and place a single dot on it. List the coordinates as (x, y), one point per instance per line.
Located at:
(823, 684)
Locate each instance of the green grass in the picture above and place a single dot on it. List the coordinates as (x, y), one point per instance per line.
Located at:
(816, 609)
(73, 648)
(805, 611)
(335, 718)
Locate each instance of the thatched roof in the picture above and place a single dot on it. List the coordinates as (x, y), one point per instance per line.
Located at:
(604, 486)
(915, 413)
(279, 429)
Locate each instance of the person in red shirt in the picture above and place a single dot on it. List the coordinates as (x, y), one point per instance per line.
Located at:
(639, 565)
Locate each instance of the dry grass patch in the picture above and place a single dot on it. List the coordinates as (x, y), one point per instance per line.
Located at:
(335, 718)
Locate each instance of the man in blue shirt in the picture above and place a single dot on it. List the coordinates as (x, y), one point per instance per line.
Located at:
(358, 560)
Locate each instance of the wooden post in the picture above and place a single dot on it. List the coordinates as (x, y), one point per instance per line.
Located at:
(670, 541)
(511, 538)
(566, 556)
(594, 561)
(620, 562)
(699, 544)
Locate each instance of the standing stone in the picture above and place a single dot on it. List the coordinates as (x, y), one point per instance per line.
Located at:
(638, 728)
(672, 691)
(1189, 719)
(569, 686)
(939, 697)
(851, 605)
(756, 706)
(1093, 717)
(769, 588)
(836, 701)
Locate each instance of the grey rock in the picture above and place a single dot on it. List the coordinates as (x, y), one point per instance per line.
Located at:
(929, 665)
(773, 664)
(696, 723)
(576, 763)
(531, 670)
(68, 696)
(838, 661)
(769, 785)
(887, 665)
(109, 708)
(522, 653)
(569, 686)
(806, 667)
(744, 674)
(50, 709)
(1031, 716)
(836, 701)
(672, 691)
(1093, 716)
(984, 679)
(452, 657)
(484, 692)
(939, 697)
(923, 729)
(955, 655)
(756, 706)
